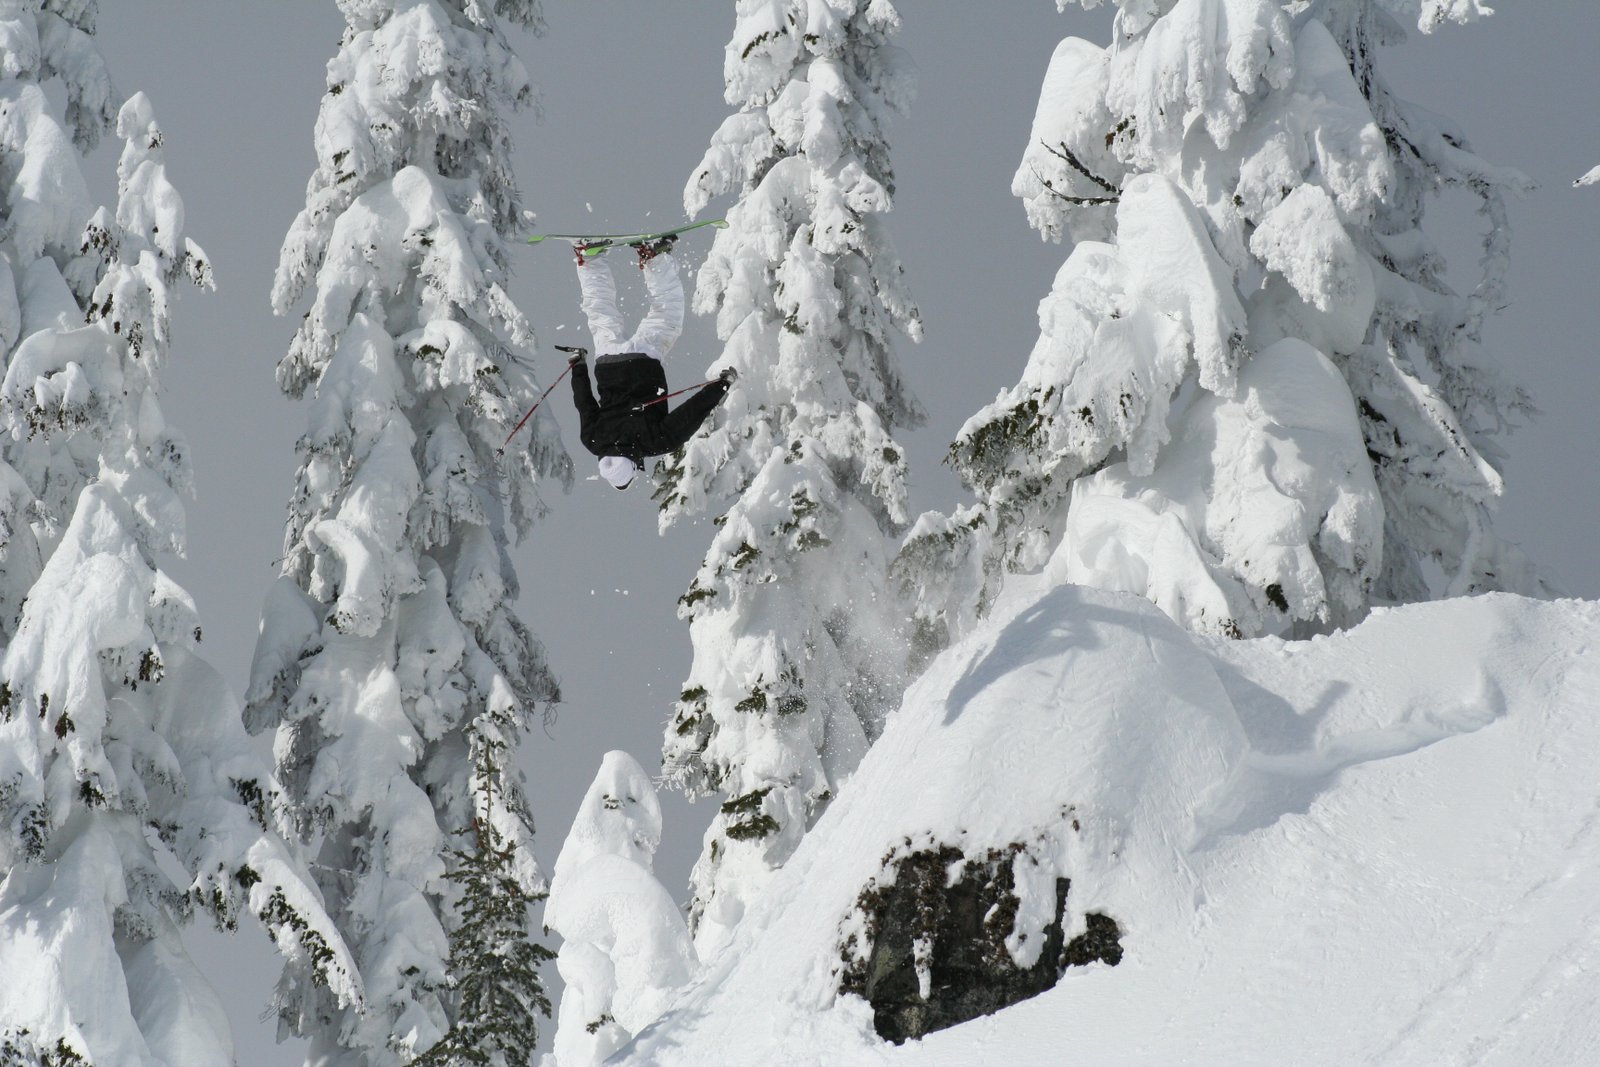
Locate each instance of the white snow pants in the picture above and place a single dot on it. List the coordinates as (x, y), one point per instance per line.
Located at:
(661, 325)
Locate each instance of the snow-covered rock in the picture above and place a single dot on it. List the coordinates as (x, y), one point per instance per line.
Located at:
(1375, 846)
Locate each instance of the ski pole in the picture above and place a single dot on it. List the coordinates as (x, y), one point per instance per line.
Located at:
(679, 392)
(559, 348)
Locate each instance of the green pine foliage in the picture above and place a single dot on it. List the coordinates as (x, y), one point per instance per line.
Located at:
(19, 1049)
(495, 983)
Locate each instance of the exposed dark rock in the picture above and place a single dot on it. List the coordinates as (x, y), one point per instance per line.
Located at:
(959, 927)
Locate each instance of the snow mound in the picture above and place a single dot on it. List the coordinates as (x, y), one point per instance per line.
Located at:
(1374, 847)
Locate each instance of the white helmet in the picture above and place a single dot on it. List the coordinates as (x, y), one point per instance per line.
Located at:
(618, 470)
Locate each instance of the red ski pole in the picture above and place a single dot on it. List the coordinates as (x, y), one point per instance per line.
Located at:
(679, 392)
(536, 403)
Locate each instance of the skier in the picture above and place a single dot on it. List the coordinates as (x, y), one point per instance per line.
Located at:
(631, 421)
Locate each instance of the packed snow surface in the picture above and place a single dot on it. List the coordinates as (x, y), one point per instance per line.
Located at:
(1376, 847)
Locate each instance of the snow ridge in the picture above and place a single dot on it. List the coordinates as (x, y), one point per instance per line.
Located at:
(1209, 795)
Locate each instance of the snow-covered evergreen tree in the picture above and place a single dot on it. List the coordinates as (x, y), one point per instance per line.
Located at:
(1254, 398)
(388, 648)
(47, 273)
(625, 947)
(797, 656)
(130, 795)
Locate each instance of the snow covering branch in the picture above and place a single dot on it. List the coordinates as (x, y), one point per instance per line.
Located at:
(131, 798)
(1063, 153)
(390, 662)
(625, 947)
(795, 625)
(1267, 255)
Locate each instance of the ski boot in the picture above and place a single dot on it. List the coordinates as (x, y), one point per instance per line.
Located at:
(585, 251)
(649, 250)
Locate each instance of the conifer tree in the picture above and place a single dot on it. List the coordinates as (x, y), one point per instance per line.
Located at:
(122, 757)
(797, 651)
(388, 647)
(625, 949)
(494, 966)
(47, 272)
(1254, 398)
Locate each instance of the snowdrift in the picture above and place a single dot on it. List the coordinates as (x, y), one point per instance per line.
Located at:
(1375, 847)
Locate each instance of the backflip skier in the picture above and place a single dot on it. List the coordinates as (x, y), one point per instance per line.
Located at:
(631, 421)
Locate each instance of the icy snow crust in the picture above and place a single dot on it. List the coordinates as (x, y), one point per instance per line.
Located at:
(1374, 847)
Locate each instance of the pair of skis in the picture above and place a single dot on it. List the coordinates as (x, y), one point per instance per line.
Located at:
(593, 244)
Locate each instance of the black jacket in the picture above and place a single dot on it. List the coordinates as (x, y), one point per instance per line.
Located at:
(617, 425)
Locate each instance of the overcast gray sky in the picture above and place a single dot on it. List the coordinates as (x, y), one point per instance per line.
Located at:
(632, 90)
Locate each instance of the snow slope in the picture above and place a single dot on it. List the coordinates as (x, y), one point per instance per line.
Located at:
(1377, 847)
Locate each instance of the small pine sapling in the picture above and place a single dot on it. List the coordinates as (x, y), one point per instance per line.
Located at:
(495, 986)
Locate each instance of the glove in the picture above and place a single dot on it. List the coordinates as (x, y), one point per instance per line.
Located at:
(728, 375)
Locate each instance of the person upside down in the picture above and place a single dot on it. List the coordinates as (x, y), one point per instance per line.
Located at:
(630, 419)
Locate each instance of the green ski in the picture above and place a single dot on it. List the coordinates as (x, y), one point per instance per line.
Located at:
(595, 243)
